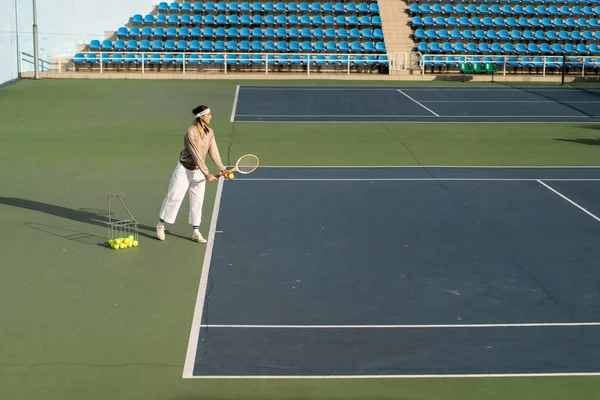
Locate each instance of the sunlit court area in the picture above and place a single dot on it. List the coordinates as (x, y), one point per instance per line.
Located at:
(389, 199)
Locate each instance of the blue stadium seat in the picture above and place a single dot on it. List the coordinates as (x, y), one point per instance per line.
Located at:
(195, 45)
(220, 45)
(245, 33)
(232, 45)
(269, 46)
(206, 59)
(119, 45)
(137, 19)
(207, 45)
(94, 45)
(171, 32)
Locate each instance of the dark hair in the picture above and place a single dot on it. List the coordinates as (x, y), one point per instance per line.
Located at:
(199, 109)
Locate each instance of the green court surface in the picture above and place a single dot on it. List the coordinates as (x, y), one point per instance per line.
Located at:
(82, 321)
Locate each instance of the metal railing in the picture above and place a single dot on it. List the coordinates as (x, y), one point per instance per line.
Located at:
(567, 65)
(26, 58)
(225, 62)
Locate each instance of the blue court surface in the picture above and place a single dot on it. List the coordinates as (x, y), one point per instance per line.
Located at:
(331, 272)
(415, 104)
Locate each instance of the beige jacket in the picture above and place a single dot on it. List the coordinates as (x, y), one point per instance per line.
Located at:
(196, 145)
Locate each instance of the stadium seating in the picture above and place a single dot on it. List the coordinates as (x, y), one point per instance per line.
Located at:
(517, 33)
(338, 34)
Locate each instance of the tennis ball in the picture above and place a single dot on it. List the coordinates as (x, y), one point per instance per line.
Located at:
(130, 237)
(135, 243)
(122, 245)
(115, 246)
(230, 176)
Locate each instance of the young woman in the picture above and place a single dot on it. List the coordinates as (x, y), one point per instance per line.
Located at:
(191, 174)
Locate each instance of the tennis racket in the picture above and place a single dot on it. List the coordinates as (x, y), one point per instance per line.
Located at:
(245, 164)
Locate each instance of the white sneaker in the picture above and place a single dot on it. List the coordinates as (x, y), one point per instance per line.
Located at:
(197, 237)
(160, 232)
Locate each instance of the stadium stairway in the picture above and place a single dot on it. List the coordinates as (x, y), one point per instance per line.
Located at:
(397, 31)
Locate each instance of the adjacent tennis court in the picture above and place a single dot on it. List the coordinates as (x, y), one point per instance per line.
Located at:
(401, 272)
(416, 104)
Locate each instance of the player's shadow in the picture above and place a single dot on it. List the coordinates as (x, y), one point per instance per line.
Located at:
(590, 142)
(85, 215)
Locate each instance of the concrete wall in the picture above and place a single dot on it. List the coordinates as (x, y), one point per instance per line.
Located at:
(62, 25)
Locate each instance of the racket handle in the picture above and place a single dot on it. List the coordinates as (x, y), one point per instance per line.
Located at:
(225, 173)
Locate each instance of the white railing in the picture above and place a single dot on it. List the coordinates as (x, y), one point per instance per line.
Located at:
(26, 58)
(505, 62)
(185, 62)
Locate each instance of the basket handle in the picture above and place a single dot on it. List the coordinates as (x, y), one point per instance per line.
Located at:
(122, 202)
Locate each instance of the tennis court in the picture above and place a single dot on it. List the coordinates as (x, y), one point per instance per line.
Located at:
(401, 251)
(400, 272)
(416, 104)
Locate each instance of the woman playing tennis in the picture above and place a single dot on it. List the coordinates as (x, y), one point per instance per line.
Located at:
(191, 174)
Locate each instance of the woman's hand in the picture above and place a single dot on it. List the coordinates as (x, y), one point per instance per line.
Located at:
(211, 178)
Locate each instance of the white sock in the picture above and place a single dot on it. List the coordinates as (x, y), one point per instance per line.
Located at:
(196, 231)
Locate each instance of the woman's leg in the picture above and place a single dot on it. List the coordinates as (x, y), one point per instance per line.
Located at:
(179, 184)
(196, 191)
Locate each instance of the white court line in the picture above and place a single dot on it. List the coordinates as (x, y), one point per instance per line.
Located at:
(405, 116)
(437, 376)
(435, 166)
(416, 88)
(422, 179)
(510, 101)
(424, 326)
(330, 115)
(569, 200)
(432, 122)
(404, 94)
(190, 356)
(235, 101)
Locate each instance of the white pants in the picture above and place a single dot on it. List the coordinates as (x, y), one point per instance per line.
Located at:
(184, 180)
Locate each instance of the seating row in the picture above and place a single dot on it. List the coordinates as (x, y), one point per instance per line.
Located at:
(449, 8)
(341, 33)
(508, 48)
(269, 7)
(514, 62)
(231, 59)
(232, 45)
(220, 19)
(508, 22)
(515, 34)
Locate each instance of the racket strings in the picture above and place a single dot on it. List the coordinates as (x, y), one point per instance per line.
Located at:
(247, 164)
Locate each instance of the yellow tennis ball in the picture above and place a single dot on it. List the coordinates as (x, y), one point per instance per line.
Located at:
(130, 237)
(122, 245)
(115, 246)
(230, 176)
(135, 243)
